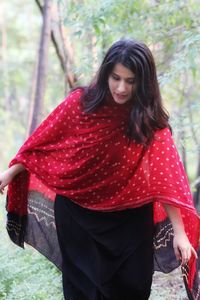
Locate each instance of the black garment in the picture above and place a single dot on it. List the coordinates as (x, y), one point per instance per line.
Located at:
(106, 255)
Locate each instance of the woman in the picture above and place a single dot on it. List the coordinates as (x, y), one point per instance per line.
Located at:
(106, 156)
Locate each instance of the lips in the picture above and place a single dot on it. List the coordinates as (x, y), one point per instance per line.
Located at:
(120, 96)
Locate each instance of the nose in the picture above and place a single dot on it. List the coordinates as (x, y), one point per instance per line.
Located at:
(121, 86)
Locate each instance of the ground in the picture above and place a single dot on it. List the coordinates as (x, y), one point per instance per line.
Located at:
(168, 286)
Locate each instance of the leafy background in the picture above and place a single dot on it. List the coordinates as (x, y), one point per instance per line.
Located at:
(172, 31)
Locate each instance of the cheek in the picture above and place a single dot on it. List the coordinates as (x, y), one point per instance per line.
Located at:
(111, 85)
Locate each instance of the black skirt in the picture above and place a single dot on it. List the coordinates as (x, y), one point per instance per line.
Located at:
(105, 255)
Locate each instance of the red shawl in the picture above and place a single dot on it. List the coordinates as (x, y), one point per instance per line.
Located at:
(88, 158)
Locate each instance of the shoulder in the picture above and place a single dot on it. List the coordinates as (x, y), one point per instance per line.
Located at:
(163, 136)
(163, 133)
(74, 96)
(71, 102)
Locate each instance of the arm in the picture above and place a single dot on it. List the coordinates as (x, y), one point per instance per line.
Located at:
(7, 176)
(182, 247)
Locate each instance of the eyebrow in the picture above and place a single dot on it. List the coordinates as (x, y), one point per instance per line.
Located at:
(128, 78)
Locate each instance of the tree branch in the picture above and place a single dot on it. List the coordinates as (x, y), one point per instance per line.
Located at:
(61, 50)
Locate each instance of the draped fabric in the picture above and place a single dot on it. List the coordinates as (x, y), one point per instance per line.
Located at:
(89, 159)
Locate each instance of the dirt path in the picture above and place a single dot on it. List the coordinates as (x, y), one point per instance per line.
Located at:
(168, 286)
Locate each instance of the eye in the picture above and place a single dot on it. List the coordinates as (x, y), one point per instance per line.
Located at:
(131, 81)
(115, 77)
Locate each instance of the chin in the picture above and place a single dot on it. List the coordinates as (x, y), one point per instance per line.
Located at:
(119, 101)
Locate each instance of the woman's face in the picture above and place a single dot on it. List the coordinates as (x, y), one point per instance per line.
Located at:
(122, 84)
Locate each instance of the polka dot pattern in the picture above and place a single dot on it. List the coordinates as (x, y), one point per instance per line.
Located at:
(88, 158)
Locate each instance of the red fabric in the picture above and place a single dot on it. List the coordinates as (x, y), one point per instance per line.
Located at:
(88, 158)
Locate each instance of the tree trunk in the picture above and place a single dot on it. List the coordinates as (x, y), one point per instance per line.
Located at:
(62, 46)
(67, 57)
(42, 65)
(32, 97)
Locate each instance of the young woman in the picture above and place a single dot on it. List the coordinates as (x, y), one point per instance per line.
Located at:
(107, 158)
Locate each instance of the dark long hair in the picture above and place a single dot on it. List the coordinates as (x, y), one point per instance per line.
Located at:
(147, 113)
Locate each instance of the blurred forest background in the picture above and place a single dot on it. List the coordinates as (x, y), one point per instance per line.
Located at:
(48, 47)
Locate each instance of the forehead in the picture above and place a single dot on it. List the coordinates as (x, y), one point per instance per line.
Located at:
(122, 71)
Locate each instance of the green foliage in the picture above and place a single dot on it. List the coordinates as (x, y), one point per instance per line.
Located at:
(170, 28)
(25, 274)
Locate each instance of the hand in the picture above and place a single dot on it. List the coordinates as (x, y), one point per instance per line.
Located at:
(5, 178)
(182, 248)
